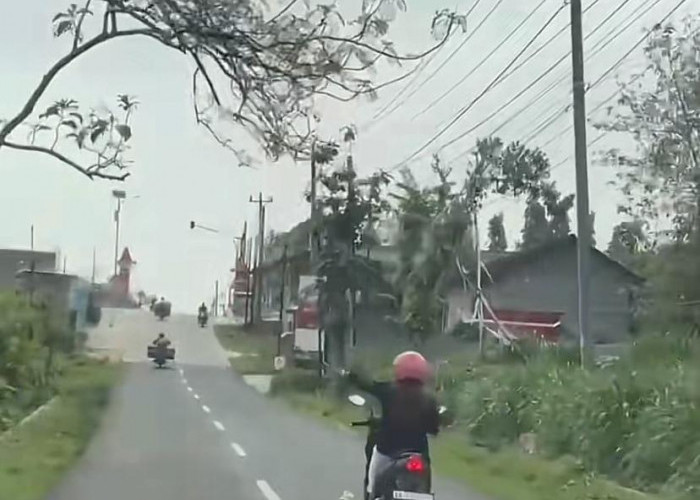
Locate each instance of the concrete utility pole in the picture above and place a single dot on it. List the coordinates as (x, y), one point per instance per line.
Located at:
(583, 216)
(32, 238)
(313, 235)
(257, 298)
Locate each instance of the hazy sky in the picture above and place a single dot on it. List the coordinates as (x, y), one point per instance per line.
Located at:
(181, 174)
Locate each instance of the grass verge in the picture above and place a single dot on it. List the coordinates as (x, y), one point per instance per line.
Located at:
(35, 456)
(250, 352)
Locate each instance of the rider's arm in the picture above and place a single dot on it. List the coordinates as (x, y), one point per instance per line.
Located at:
(373, 387)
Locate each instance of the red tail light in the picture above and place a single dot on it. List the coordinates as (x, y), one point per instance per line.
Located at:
(415, 464)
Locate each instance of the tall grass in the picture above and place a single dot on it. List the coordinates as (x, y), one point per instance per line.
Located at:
(636, 421)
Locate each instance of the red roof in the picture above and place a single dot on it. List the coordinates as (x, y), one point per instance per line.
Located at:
(542, 324)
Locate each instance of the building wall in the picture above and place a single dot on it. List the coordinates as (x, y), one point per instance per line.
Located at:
(549, 283)
(52, 288)
(12, 261)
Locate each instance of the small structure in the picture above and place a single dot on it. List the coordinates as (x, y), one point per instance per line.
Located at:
(536, 291)
(67, 296)
(12, 261)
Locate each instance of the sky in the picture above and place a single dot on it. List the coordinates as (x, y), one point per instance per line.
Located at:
(181, 174)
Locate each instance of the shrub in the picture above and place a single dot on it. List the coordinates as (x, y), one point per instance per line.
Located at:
(635, 421)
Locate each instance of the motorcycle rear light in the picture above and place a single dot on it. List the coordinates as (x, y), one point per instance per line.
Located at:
(415, 464)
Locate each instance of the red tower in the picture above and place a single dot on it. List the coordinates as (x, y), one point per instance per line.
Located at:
(123, 278)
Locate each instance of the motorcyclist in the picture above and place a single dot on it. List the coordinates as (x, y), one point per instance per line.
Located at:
(161, 341)
(202, 310)
(409, 412)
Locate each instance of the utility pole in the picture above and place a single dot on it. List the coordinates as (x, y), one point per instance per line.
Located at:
(65, 259)
(313, 236)
(93, 264)
(216, 298)
(119, 195)
(479, 300)
(284, 275)
(583, 216)
(32, 238)
(257, 298)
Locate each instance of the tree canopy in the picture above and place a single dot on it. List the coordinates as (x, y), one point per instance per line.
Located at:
(256, 66)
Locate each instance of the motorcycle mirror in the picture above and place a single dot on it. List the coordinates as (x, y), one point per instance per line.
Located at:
(356, 399)
(442, 409)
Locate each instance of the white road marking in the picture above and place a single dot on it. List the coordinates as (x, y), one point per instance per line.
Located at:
(238, 449)
(196, 396)
(182, 372)
(267, 490)
(206, 409)
(219, 425)
(189, 389)
(184, 381)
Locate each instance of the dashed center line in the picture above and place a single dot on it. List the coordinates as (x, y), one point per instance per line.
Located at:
(189, 389)
(238, 449)
(184, 381)
(196, 396)
(219, 425)
(266, 490)
(182, 372)
(206, 409)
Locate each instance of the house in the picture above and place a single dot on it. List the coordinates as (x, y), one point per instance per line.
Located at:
(536, 290)
(66, 295)
(12, 261)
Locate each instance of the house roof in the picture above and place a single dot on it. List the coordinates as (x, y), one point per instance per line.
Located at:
(499, 264)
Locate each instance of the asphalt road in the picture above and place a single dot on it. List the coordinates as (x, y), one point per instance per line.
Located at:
(197, 431)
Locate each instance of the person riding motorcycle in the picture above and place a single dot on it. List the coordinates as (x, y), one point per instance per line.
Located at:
(202, 310)
(409, 412)
(161, 341)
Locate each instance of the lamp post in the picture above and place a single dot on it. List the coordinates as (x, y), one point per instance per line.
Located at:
(119, 195)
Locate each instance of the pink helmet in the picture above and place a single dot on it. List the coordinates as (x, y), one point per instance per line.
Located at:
(411, 365)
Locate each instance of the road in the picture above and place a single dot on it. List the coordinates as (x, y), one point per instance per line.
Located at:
(197, 431)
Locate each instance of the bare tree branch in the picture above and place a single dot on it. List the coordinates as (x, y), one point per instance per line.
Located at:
(91, 174)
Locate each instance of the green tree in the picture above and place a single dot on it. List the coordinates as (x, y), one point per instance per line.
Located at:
(661, 177)
(536, 230)
(497, 234)
(254, 67)
(349, 206)
(629, 239)
(546, 216)
(437, 224)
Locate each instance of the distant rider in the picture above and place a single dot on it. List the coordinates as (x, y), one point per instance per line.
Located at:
(203, 310)
(409, 412)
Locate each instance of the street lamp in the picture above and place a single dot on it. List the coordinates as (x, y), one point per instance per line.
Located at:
(119, 195)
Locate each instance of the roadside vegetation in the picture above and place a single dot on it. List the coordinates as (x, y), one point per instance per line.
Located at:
(42, 368)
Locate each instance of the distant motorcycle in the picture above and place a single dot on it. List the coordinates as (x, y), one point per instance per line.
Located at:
(202, 319)
(162, 309)
(408, 477)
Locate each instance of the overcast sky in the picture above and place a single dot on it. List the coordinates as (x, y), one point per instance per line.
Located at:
(180, 174)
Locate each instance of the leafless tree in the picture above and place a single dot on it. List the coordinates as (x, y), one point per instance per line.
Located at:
(256, 66)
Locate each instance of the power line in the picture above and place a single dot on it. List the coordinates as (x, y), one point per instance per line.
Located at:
(490, 86)
(562, 111)
(483, 60)
(612, 68)
(451, 55)
(531, 84)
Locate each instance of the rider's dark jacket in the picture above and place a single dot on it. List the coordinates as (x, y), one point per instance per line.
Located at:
(409, 414)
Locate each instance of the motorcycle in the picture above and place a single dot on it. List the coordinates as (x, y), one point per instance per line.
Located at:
(409, 475)
(160, 355)
(202, 319)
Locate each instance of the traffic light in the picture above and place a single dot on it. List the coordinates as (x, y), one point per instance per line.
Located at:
(192, 224)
